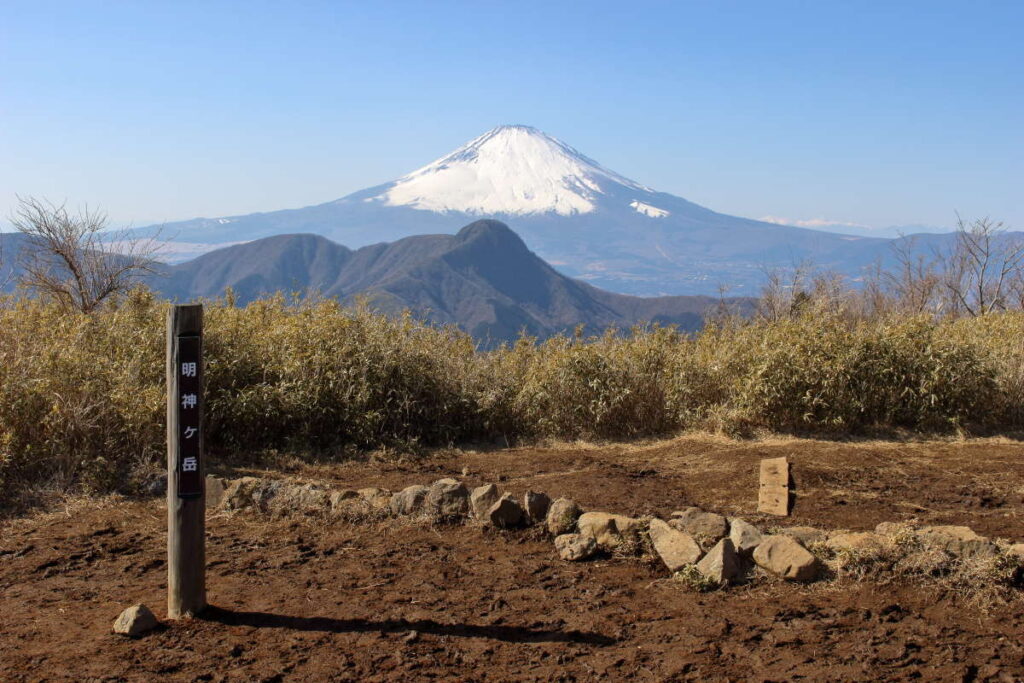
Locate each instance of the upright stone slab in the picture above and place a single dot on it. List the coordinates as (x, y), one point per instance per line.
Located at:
(773, 492)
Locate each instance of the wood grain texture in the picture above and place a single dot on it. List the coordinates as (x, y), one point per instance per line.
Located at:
(186, 517)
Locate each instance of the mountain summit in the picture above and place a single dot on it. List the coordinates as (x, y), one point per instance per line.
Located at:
(509, 170)
(586, 220)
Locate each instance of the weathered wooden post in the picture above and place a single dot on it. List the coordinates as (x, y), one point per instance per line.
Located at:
(186, 504)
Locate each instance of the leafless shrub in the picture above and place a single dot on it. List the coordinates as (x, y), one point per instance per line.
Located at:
(71, 258)
(983, 269)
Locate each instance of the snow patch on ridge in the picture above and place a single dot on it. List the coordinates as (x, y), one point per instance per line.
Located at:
(508, 170)
(648, 210)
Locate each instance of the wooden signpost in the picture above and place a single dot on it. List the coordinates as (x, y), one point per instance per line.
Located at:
(186, 504)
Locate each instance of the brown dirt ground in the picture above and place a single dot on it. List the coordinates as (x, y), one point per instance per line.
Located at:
(312, 599)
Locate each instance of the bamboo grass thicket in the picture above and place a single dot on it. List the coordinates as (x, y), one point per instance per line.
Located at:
(82, 395)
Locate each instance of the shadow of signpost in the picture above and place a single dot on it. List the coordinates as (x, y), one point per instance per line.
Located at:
(510, 634)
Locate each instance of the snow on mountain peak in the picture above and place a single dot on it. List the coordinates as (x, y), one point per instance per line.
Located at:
(507, 170)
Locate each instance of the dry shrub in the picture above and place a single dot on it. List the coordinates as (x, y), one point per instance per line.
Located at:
(903, 557)
(82, 396)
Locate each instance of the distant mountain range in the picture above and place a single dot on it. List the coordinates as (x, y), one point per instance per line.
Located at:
(483, 278)
(586, 220)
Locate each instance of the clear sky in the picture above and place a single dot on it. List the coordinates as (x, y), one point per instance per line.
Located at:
(876, 113)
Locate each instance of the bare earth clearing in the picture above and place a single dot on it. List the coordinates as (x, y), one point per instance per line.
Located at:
(308, 598)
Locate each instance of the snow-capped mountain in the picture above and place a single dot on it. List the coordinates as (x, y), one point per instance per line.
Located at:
(588, 221)
(510, 170)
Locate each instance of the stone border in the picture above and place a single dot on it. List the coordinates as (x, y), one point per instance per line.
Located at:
(704, 548)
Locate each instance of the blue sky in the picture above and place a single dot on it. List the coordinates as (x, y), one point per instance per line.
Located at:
(876, 113)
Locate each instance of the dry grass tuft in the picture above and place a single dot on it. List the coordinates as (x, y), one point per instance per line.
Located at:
(82, 396)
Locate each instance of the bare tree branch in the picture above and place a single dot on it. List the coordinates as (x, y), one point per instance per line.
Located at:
(73, 259)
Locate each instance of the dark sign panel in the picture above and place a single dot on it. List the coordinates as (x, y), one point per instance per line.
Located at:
(189, 366)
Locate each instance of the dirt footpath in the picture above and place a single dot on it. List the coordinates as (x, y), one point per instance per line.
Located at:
(311, 599)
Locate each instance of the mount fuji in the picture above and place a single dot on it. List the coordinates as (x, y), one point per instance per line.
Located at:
(586, 220)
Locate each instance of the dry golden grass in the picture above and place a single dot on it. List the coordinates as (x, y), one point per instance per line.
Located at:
(81, 396)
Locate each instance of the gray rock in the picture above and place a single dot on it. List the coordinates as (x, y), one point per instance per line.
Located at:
(536, 506)
(610, 531)
(506, 513)
(675, 548)
(575, 547)
(744, 536)
(958, 540)
(805, 535)
(482, 498)
(721, 564)
(409, 500)
(706, 526)
(785, 557)
(216, 488)
(447, 499)
(562, 516)
(135, 621)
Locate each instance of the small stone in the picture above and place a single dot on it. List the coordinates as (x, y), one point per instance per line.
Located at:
(610, 531)
(506, 513)
(536, 506)
(448, 499)
(862, 540)
(706, 526)
(562, 516)
(575, 547)
(958, 540)
(785, 557)
(744, 536)
(482, 498)
(409, 500)
(675, 548)
(216, 488)
(135, 621)
(721, 564)
(805, 535)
